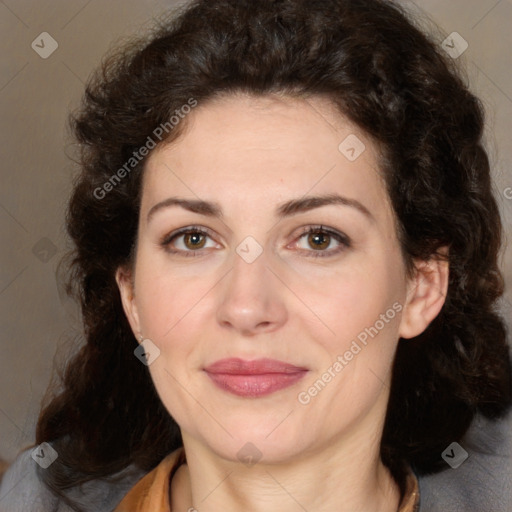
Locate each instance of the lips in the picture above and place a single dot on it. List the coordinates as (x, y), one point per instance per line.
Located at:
(255, 378)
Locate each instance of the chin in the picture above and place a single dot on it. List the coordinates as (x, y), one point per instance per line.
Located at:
(255, 446)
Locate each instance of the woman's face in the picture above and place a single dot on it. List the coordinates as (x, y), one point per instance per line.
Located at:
(329, 306)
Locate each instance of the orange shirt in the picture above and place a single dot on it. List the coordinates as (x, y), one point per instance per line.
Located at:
(151, 493)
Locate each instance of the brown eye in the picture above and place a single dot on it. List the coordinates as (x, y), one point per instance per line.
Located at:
(319, 240)
(194, 240)
(189, 241)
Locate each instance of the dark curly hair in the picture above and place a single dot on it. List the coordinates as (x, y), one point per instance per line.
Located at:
(390, 79)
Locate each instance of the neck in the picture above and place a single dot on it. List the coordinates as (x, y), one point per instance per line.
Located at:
(344, 475)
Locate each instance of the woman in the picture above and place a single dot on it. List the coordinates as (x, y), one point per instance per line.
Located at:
(286, 257)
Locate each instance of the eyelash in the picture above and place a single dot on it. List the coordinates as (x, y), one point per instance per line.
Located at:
(342, 239)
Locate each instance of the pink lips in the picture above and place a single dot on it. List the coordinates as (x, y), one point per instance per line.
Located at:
(253, 378)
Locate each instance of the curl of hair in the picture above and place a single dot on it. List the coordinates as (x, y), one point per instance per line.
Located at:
(390, 79)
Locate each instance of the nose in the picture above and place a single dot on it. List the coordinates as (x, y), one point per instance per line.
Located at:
(252, 298)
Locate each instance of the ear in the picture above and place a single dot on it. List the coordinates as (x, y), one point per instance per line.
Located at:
(426, 294)
(125, 283)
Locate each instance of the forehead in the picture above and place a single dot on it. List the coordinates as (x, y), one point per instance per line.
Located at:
(259, 150)
(248, 123)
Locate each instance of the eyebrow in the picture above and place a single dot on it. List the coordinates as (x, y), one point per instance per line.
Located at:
(287, 209)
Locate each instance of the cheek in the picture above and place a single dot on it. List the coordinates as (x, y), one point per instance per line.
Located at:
(356, 360)
(345, 304)
(167, 300)
(365, 316)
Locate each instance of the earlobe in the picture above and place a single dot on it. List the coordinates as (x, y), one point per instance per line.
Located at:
(426, 295)
(126, 289)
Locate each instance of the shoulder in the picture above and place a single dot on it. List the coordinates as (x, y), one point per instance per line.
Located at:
(482, 481)
(152, 491)
(22, 489)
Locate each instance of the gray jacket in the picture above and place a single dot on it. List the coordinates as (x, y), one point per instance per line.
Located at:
(482, 483)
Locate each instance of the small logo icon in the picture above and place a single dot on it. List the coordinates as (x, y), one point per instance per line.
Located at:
(249, 454)
(44, 455)
(455, 455)
(249, 249)
(147, 352)
(44, 250)
(455, 45)
(352, 147)
(44, 45)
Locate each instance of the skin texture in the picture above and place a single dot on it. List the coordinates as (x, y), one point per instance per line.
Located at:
(250, 155)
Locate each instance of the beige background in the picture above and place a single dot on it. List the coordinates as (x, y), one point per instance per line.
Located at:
(35, 97)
